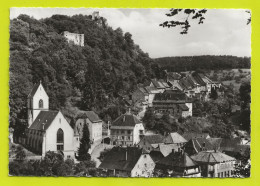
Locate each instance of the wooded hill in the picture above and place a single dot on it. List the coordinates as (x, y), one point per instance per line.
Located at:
(90, 77)
(190, 63)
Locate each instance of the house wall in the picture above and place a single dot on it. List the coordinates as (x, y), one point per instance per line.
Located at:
(136, 133)
(224, 169)
(144, 167)
(189, 112)
(51, 136)
(122, 136)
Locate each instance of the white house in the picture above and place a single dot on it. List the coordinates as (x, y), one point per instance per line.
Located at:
(126, 130)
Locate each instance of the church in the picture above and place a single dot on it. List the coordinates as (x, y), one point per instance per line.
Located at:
(48, 130)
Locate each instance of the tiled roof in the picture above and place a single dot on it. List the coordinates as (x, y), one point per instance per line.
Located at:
(126, 120)
(156, 155)
(34, 89)
(196, 145)
(171, 95)
(166, 149)
(194, 135)
(174, 75)
(91, 115)
(153, 139)
(117, 158)
(175, 138)
(176, 159)
(211, 157)
(44, 118)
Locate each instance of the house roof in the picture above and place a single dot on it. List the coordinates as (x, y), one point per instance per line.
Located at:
(143, 90)
(44, 118)
(176, 159)
(34, 89)
(156, 155)
(166, 149)
(121, 158)
(127, 119)
(175, 138)
(197, 145)
(91, 115)
(172, 96)
(153, 139)
(194, 135)
(211, 157)
(174, 75)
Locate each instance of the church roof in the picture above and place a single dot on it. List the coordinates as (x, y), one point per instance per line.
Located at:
(34, 89)
(44, 120)
(126, 120)
(91, 115)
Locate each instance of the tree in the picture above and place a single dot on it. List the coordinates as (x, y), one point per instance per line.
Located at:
(189, 15)
(84, 145)
(20, 154)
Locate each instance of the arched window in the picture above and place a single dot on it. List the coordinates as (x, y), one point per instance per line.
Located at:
(60, 139)
(40, 103)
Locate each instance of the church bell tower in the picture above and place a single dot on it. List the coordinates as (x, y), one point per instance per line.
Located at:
(37, 101)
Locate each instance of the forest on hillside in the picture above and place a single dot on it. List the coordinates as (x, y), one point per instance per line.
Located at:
(75, 78)
(207, 62)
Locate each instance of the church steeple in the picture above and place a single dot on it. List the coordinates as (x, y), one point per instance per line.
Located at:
(37, 101)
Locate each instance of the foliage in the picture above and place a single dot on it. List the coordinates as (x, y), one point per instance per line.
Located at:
(20, 154)
(90, 77)
(53, 164)
(84, 146)
(189, 63)
(190, 14)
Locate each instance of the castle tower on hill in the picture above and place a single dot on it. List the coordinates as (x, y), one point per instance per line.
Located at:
(77, 39)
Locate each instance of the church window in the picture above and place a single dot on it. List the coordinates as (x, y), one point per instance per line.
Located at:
(60, 139)
(40, 103)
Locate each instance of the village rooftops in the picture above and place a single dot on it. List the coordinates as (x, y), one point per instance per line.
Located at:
(194, 135)
(196, 145)
(171, 96)
(120, 158)
(175, 138)
(211, 157)
(125, 120)
(153, 138)
(175, 160)
(91, 115)
(43, 120)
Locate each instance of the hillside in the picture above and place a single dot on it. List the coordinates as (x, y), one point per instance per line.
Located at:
(75, 78)
(188, 63)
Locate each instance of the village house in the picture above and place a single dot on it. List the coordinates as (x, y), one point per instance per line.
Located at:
(76, 39)
(128, 162)
(127, 129)
(94, 123)
(150, 142)
(196, 145)
(173, 102)
(178, 164)
(215, 164)
(194, 135)
(48, 130)
(175, 138)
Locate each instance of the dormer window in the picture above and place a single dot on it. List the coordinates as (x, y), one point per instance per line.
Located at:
(40, 103)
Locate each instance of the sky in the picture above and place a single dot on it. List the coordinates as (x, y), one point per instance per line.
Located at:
(224, 31)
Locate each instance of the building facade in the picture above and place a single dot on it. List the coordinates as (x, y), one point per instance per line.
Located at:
(49, 130)
(77, 39)
(127, 129)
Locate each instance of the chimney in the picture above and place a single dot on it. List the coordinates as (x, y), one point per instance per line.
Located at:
(43, 126)
(126, 154)
(173, 151)
(124, 119)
